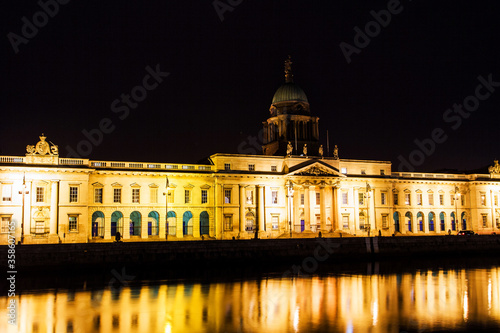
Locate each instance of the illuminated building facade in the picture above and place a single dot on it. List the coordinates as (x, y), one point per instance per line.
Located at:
(290, 190)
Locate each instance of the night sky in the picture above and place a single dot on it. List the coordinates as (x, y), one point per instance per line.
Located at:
(225, 65)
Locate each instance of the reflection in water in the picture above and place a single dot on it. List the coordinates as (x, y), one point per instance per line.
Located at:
(425, 300)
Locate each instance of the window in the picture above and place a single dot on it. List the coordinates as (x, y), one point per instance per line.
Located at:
(228, 222)
(383, 198)
(227, 166)
(344, 198)
(345, 222)
(441, 199)
(40, 194)
(117, 195)
(363, 171)
(396, 198)
(7, 192)
(407, 199)
(98, 195)
(361, 221)
(382, 172)
(485, 220)
(274, 197)
(136, 192)
(275, 222)
(204, 196)
(73, 223)
(361, 198)
(187, 196)
(5, 228)
(302, 199)
(251, 167)
(496, 200)
(452, 199)
(318, 198)
(462, 200)
(73, 194)
(249, 197)
(153, 195)
(274, 168)
(170, 195)
(419, 199)
(431, 199)
(483, 198)
(343, 170)
(384, 221)
(227, 196)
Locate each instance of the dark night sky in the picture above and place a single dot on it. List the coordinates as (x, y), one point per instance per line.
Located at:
(223, 75)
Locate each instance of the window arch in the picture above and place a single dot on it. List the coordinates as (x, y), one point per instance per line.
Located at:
(98, 224)
(171, 223)
(464, 221)
(361, 220)
(250, 224)
(420, 221)
(135, 223)
(442, 219)
(432, 219)
(396, 222)
(116, 223)
(153, 223)
(408, 217)
(453, 221)
(204, 223)
(187, 223)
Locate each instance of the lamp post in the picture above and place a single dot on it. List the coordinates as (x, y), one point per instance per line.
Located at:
(166, 209)
(367, 195)
(290, 210)
(23, 192)
(457, 195)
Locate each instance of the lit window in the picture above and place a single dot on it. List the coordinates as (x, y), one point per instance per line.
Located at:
(40, 194)
(7, 192)
(274, 197)
(483, 199)
(452, 199)
(117, 195)
(170, 196)
(361, 221)
(318, 198)
(228, 222)
(344, 198)
(73, 223)
(462, 200)
(153, 195)
(441, 199)
(5, 228)
(431, 199)
(383, 198)
(251, 167)
(407, 199)
(187, 196)
(73, 194)
(345, 222)
(275, 222)
(227, 166)
(396, 198)
(485, 221)
(98, 195)
(343, 170)
(204, 196)
(361, 197)
(302, 199)
(419, 199)
(227, 196)
(384, 221)
(136, 192)
(249, 197)
(274, 168)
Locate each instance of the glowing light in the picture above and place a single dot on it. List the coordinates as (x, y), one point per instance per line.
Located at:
(466, 306)
(296, 319)
(375, 312)
(489, 294)
(168, 327)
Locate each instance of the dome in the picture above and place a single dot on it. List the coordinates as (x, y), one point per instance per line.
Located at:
(289, 92)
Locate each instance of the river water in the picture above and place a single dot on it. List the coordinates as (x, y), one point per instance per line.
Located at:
(418, 300)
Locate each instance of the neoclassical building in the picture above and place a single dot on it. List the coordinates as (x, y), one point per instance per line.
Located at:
(291, 190)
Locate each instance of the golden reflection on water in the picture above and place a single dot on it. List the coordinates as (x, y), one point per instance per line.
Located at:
(425, 300)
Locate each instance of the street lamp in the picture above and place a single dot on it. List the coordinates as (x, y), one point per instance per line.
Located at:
(23, 192)
(457, 196)
(166, 209)
(290, 200)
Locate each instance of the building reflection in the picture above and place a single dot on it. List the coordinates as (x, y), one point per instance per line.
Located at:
(425, 300)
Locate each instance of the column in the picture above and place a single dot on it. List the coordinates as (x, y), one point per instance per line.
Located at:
(323, 208)
(107, 227)
(356, 209)
(54, 207)
(242, 209)
(27, 208)
(307, 209)
(312, 211)
(260, 207)
(338, 197)
(162, 227)
(334, 211)
(296, 204)
(373, 214)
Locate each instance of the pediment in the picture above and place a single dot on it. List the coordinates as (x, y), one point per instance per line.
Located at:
(316, 169)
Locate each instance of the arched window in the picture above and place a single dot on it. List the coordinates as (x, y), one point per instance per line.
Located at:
(204, 223)
(171, 223)
(116, 223)
(432, 218)
(187, 223)
(464, 221)
(362, 221)
(453, 221)
(408, 217)
(135, 223)
(396, 222)
(420, 221)
(250, 225)
(98, 224)
(153, 223)
(442, 221)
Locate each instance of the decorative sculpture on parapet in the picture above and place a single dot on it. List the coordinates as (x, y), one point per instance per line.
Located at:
(289, 149)
(336, 152)
(304, 149)
(42, 148)
(320, 151)
(495, 168)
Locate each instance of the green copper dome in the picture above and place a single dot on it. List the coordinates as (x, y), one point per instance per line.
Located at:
(290, 92)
